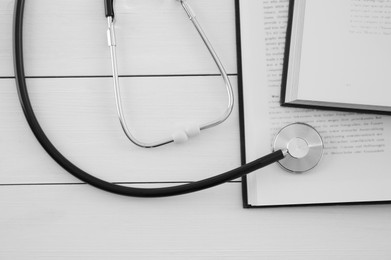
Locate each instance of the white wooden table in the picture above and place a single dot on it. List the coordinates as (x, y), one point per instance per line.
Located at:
(167, 77)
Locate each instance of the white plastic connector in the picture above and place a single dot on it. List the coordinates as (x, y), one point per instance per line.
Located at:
(111, 41)
(192, 130)
(180, 137)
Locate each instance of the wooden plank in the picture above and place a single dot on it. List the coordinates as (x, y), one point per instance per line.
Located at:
(80, 222)
(79, 116)
(68, 37)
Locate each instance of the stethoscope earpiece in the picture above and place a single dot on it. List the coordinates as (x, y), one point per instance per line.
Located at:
(179, 136)
(303, 145)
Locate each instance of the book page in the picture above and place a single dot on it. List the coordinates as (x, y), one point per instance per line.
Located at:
(357, 146)
(346, 52)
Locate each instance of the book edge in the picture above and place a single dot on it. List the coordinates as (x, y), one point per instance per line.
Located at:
(288, 37)
(240, 102)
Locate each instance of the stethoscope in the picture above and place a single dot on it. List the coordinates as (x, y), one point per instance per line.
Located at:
(297, 147)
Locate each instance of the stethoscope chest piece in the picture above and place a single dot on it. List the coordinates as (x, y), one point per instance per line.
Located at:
(303, 144)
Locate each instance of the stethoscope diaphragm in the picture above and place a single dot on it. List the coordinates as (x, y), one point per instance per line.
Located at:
(303, 144)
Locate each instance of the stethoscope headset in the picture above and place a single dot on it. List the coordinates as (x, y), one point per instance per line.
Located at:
(296, 154)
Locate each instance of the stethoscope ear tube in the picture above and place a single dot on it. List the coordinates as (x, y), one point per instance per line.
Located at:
(109, 8)
(88, 178)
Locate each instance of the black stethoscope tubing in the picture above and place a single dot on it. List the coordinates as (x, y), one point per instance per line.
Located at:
(88, 178)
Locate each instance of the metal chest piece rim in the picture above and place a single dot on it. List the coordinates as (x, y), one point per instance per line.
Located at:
(303, 144)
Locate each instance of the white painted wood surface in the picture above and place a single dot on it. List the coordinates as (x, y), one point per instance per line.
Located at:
(46, 213)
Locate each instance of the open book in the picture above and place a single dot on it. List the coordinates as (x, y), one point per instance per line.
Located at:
(355, 164)
(339, 55)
